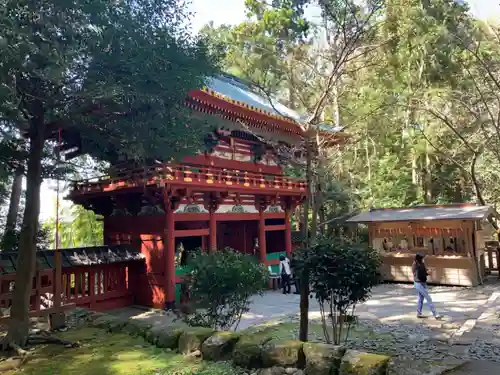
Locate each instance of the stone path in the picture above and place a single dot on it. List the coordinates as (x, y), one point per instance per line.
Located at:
(390, 303)
(477, 367)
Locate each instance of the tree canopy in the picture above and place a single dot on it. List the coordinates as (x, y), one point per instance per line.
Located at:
(109, 77)
(415, 90)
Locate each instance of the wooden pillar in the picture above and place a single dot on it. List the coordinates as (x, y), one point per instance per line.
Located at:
(262, 236)
(203, 244)
(57, 279)
(169, 251)
(213, 230)
(288, 233)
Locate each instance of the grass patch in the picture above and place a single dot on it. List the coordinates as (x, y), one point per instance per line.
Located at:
(104, 353)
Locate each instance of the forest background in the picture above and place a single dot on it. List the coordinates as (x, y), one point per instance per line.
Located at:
(415, 90)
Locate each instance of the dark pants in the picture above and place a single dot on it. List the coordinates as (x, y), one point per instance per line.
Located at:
(297, 284)
(285, 283)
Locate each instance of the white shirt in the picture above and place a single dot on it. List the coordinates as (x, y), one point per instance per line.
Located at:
(285, 264)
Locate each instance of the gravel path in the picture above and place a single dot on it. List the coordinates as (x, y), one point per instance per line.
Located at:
(476, 367)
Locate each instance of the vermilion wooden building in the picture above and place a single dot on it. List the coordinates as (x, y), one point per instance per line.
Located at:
(235, 195)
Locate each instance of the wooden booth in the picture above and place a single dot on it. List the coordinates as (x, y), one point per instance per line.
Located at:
(451, 236)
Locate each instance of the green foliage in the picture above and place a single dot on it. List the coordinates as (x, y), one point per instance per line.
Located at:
(221, 284)
(416, 59)
(78, 227)
(111, 77)
(114, 73)
(342, 274)
(43, 240)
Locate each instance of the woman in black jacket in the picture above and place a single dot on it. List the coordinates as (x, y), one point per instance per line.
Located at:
(420, 282)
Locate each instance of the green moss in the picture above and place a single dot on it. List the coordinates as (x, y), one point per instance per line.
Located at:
(359, 363)
(285, 353)
(248, 350)
(220, 345)
(169, 337)
(102, 353)
(137, 327)
(192, 338)
(322, 359)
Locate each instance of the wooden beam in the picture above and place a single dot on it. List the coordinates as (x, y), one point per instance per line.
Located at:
(271, 228)
(191, 232)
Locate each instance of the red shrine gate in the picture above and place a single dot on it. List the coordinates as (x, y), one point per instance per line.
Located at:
(210, 208)
(232, 194)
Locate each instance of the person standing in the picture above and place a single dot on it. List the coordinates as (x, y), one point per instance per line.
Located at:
(286, 274)
(420, 282)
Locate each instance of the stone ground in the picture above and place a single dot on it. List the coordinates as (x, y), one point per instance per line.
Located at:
(470, 330)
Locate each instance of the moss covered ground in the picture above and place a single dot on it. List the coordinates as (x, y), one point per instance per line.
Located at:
(102, 353)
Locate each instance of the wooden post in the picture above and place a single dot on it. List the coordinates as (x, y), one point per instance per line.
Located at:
(203, 244)
(472, 250)
(169, 253)
(38, 286)
(262, 236)
(213, 230)
(57, 319)
(92, 285)
(288, 233)
(57, 279)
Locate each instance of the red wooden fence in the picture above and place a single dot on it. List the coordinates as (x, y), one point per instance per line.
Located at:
(98, 287)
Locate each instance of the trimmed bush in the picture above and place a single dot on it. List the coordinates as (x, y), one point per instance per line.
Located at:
(221, 285)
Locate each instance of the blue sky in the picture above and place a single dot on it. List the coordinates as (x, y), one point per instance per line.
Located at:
(233, 12)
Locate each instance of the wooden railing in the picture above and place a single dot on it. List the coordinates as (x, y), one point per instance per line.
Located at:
(188, 175)
(98, 287)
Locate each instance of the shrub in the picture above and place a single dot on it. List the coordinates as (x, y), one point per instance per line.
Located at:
(221, 285)
(342, 274)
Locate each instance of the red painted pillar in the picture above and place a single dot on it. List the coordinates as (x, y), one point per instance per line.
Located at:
(169, 250)
(203, 244)
(262, 237)
(288, 234)
(213, 231)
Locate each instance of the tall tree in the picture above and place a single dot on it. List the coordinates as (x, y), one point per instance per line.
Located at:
(111, 74)
(304, 63)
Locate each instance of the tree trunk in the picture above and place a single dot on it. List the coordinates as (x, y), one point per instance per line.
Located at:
(26, 261)
(427, 176)
(15, 199)
(304, 280)
(479, 194)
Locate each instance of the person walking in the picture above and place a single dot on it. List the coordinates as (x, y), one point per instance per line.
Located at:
(286, 274)
(420, 282)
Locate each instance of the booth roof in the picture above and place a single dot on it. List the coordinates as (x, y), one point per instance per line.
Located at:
(423, 213)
